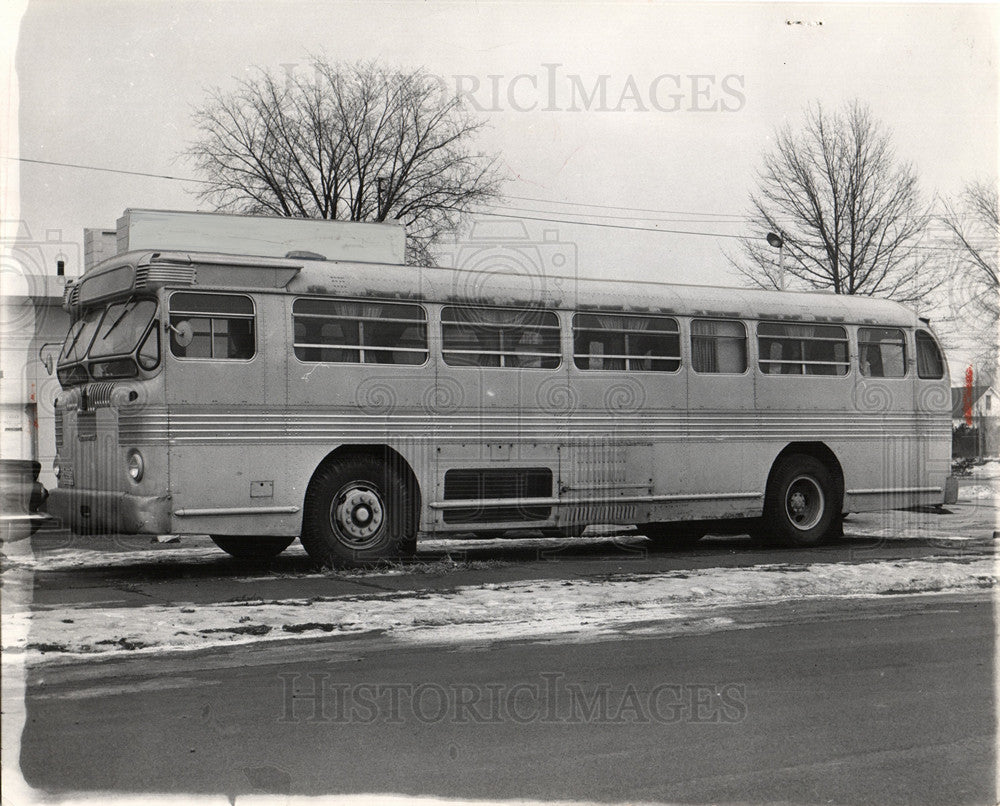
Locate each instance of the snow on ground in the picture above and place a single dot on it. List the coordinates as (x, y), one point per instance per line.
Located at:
(539, 609)
(976, 491)
(989, 470)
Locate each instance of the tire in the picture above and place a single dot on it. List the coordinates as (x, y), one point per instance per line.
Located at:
(252, 548)
(801, 502)
(671, 535)
(358, 510)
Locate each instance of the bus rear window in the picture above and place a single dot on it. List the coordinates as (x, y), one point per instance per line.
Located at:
(494, 337)
(798, 349)
(881, 352)
(622, 342)
(217, 326)
(336, 331)
(930, 363)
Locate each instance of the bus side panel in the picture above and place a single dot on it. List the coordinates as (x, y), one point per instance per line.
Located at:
(718, 453)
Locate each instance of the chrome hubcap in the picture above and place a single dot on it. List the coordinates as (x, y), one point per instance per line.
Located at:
(357, 515)
(804, 503)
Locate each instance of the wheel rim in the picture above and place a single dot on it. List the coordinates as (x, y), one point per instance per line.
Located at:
(804, 503)
(357, 515)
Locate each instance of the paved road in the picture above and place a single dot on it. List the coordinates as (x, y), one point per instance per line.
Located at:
(871, 701)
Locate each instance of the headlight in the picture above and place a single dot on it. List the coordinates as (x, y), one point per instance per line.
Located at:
(56, 468)
(135, 464)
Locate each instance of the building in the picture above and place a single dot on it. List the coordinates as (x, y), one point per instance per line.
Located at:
(975, 421)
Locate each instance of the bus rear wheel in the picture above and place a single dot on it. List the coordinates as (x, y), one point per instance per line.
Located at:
(800, 503)
(358, 511)
(252, 548)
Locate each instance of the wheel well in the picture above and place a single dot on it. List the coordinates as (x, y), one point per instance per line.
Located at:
(382, 453)
(819, 451)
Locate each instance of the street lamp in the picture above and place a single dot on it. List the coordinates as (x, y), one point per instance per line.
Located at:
(775, 240)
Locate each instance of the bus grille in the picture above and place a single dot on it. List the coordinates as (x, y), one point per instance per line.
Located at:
(482, 484)
(99, 394)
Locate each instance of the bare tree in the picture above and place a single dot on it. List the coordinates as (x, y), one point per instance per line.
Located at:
(849, 215)
(973, 224)
(358, 142)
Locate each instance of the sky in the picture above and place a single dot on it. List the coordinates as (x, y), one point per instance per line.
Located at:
(693, 95)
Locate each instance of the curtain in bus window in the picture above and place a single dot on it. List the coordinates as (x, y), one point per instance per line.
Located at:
(620, 342)
(468, 339)
(825, 350)
(930, 364)
(718, 346)
(411, 346)
(602, 342)
(630, 324)
(339, 331)
(533, 341)
(797, 349)
(493, 337)
(881, 352)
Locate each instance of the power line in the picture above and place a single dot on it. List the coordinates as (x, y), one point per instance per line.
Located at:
(699, 220)
(617, 207)
(107, 170)
(613, 226)
(602, 225)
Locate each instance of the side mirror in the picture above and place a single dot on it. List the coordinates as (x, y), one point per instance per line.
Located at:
(183, 333)
(47, 359)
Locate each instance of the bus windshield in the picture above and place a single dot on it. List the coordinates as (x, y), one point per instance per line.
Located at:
(111, 342)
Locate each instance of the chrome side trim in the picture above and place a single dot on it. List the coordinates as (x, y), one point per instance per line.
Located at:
(569, 502)
(190, 512)
(893, 490)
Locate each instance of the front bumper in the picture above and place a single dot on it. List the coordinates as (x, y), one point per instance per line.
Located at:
(91, 511)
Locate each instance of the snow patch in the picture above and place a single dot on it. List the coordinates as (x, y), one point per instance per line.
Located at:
(551, 610)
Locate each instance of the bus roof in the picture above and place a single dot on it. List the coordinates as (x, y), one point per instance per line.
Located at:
(504, 288)
(501, 288)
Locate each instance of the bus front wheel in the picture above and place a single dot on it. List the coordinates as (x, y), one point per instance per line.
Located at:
(252, 548)
(358, 510)
(800, 502)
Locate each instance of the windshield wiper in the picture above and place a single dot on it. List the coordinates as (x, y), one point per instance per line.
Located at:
(121, 316)
(76, 337)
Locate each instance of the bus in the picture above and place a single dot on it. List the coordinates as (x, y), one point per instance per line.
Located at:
(357, 406)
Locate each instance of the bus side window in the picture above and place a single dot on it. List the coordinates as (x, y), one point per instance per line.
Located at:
(626, 342)
(930, 364)
(802, 349)
(499, 337)
(412, 346)
(358, 332)
(881, 352)
(718, 346)
(221, 326)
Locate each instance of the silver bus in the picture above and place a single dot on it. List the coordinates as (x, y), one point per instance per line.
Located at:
(358, 406)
